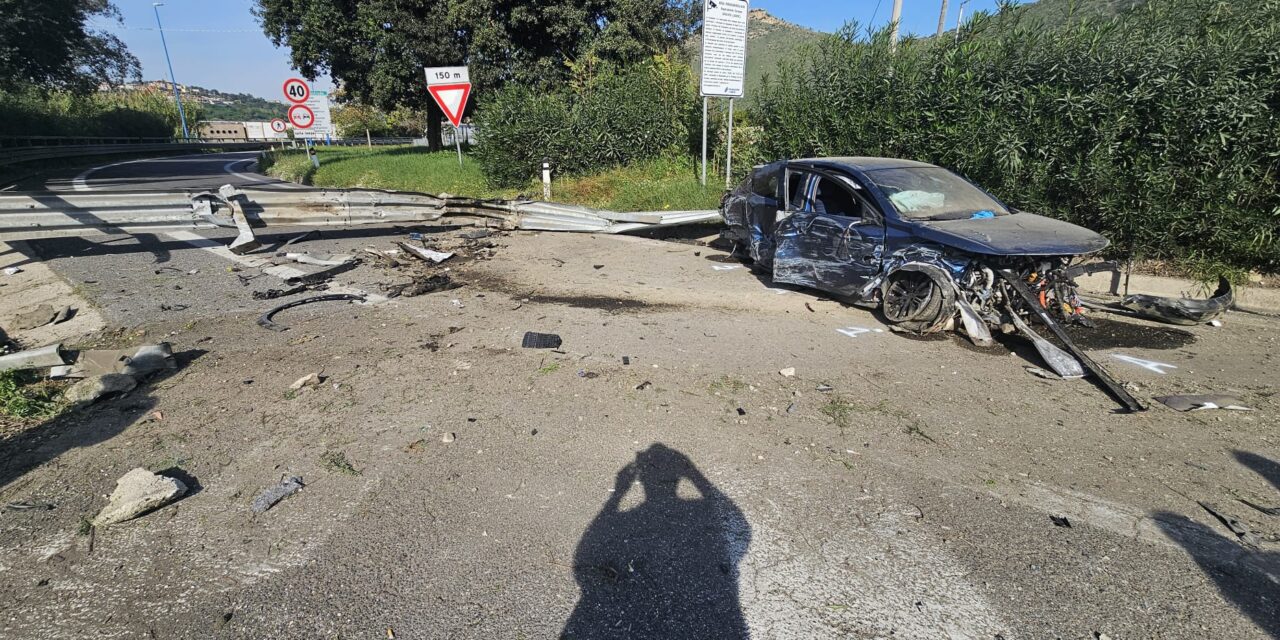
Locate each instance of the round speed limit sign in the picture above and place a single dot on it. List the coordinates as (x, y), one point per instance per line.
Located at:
(296, 90)
(301, 116)
(278, 125)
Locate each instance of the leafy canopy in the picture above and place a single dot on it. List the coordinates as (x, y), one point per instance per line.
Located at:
(48, 44)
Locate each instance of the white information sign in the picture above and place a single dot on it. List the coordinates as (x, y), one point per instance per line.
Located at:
(724, 47)
(448, 75)
(321, 121)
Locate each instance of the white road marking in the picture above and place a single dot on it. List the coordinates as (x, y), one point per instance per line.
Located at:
(727, 267)
(255, 262)
(1145, 364)
(81, 182)
(854, 332)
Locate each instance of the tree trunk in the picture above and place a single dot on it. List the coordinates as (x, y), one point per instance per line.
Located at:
(434, 115)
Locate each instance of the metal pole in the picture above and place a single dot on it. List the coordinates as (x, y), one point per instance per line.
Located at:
(960, 20)
(457, 141)
(897, 17)
(186, 135)
(728, 162)
(942, 19)
(705, 100)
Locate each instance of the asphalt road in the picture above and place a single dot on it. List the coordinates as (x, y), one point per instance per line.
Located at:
(460, 486)
(199, 171)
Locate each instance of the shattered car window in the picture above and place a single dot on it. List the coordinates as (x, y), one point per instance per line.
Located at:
(934, 194)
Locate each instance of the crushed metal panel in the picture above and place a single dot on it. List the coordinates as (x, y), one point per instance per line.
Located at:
(1182, 311)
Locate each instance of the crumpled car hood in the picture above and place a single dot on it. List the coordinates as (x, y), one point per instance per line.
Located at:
(1019, 234)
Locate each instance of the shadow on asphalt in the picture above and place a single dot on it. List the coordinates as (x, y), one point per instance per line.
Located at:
(1245, 577)
(92, 425)
(666, 568)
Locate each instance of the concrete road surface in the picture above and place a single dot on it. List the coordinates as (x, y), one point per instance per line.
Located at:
(656, 477)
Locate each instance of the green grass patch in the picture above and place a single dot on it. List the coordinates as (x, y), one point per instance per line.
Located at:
(336, 461)
(664, 184)
(24, 396)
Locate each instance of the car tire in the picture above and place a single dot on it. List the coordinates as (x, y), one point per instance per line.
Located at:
(913, 301)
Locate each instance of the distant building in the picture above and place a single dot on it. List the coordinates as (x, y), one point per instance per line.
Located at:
(222, 131)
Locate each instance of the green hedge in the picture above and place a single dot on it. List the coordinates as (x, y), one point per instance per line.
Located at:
(1160, 128)
(141, 114)
(610, 117)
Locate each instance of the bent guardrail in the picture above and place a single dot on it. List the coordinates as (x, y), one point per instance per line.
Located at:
(34, 215)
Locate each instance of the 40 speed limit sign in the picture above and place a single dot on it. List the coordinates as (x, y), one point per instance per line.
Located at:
(296, 90)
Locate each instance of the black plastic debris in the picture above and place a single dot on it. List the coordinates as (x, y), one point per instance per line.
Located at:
(741, 411)
(644, 385)
(275, 494)
(1235, 526)
(1271, 511)
(534, 340)
(423, 285)
(29, 506)
(272, 294)
(265, 321)
(626, 360)
(1060, 521)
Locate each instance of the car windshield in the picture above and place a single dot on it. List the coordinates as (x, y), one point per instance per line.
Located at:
(932, 193)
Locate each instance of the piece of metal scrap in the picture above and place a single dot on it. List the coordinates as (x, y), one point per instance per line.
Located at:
(1118, 392)
(266, 323)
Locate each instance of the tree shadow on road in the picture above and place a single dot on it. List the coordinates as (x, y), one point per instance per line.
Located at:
(1247, 578)
(666, 568)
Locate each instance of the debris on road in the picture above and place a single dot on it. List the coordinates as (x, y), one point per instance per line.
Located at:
(139, 492)
(89, 390)
(428, 255)
(265, 321)
(644, 385)
(534, 340)
(29, 506)
(1060, 521)
(332, 261)
(448, 437)
(309, 380)
(789, 372)
(1271, 511)
(1235, 526)
(12, 271)
(46, 356)
(272, 294)
(1043, 373)
(138, 362)
(35, 318)
(273, 495)
(421, 285)
(1182, 311)
(1202, 402)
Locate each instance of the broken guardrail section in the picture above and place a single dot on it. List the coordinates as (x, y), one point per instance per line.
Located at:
(59, 214)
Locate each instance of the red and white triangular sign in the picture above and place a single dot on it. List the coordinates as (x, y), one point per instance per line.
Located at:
(452, 99)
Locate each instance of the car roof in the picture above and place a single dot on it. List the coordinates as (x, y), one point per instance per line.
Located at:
(865, 163)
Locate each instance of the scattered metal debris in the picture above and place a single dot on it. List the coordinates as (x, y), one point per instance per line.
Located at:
(429, 255)
(1239, 528)
(46, 356)
(272, 294)
(265, 320)
(275, 494)
(1271, 511)
(534, 340)
(29, 506)
(1202, 402)
(331, 261)
(422, 285)
(1060, 521)
(644, 385)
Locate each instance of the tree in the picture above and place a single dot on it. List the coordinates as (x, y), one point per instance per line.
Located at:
(355, 119)
(375, 49)
(48, 44)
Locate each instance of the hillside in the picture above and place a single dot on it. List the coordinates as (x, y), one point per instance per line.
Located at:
(1057, 12)
(216, 104)
(769, 41)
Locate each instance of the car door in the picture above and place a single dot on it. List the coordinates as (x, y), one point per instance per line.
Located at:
(829, 235)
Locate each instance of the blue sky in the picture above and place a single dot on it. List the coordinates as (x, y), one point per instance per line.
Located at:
(219, 45)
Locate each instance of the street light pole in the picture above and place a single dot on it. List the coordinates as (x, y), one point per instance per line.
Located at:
(942, 19)
(177, 97)
(897, 17)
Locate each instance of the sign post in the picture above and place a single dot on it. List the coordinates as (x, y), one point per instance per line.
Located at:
(724, 63)
(451, 87)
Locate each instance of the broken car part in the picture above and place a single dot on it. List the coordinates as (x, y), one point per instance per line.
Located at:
(1235, 526)
(265, 320)
(332, 261)
(1118, 392)
(534, 340)
(1202, 402)
(1179, 311)
(435, 257)
(275, 494)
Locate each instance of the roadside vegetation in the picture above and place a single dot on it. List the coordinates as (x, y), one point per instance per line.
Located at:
(25, 397)
(663, 183)
(1158, 127)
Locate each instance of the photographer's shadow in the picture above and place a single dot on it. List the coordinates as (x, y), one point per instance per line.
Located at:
(666, 568)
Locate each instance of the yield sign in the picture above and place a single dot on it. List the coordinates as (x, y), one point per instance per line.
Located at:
(452, 99)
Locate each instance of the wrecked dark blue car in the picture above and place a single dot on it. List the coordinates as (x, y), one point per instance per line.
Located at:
(932, 250)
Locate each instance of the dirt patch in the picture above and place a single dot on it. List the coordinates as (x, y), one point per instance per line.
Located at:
(603, 303)
(1111, 334)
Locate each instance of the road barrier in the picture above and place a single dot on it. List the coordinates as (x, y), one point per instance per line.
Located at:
(33, 215)
(32, 148)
